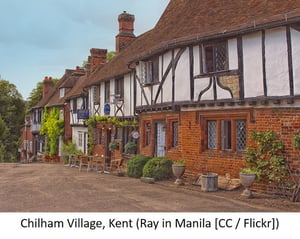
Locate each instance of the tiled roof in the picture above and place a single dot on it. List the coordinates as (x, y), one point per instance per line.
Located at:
(185, 21)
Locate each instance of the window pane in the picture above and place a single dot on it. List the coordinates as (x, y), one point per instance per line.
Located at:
(209, 65)
(241, 135)
(225, 134)
(221, 56)
(107, 92)
(212, 134)
(175, 134)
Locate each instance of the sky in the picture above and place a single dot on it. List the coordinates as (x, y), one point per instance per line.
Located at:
(41, 38)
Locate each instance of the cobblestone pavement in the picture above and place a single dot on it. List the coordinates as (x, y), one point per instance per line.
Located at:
(45, 187)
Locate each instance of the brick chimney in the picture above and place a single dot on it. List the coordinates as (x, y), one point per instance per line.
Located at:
(126, 23)
(97, 58)
(47, 85)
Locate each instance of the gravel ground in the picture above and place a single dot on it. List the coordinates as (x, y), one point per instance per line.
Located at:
(42, 187)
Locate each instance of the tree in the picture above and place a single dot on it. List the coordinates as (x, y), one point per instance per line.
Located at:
(3, 136)
(12, 112)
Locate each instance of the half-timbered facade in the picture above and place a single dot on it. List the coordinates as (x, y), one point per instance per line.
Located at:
(111, 91)
(204, 83)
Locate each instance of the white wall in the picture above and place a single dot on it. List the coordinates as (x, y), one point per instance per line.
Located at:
(253, 66)
(277, 62)
(75, 137)
(295, 35)
(182, 78)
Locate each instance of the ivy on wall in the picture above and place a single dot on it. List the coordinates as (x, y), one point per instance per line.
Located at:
(52, 127)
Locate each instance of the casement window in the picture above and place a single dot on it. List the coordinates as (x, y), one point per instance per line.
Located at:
(107, 91)
(174, 134)
(96, 95)
(80, 139)
(214, 57)
(74, 105)
(147, 128)
(226, 134)
(119, 88)
(150, 71)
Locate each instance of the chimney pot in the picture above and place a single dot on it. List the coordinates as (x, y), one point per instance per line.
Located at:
(126, 30)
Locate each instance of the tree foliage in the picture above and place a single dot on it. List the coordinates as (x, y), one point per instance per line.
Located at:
(12, 112)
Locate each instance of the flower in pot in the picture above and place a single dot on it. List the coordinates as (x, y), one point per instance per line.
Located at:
(130, 147)
(247, 177)
(178, 168)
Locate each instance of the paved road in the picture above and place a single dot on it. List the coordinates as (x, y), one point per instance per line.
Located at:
(55, 188)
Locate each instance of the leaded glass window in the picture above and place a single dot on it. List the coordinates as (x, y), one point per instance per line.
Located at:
(175, 134)
(215, 57)
(212, 134)
(241, 135)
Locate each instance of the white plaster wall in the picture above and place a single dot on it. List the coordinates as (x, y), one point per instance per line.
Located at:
(102, 98)
(277, 62)
(75, 136)
(201, 84)
(296, 59)
(182, 78)
(128, 95)
(253, 66)
(167, 87)
(196, 52)
(233, 54)
(222, 94)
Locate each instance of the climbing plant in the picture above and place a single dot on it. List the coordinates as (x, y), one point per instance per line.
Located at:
(52, 127)
(113, 120)
(265, 157)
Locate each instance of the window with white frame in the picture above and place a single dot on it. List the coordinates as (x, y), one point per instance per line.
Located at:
(80, 139)
(62, 92)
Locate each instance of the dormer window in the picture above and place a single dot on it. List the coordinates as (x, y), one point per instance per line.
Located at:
(62, 92)
(150, 71)
(214, 57)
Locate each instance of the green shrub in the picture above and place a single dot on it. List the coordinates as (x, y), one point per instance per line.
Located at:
(158, 168)
(135, 166)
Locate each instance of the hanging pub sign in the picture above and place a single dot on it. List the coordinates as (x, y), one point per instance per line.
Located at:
(107, 109)
(83, 114)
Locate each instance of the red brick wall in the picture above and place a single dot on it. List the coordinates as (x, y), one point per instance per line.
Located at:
(285, 122)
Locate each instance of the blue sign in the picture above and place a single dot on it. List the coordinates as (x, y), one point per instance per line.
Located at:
(83, 114)
(107, 109)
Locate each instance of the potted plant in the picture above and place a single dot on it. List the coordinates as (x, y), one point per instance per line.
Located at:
(178, 168)
(130, 147)
(247, 177)
(114, 145)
